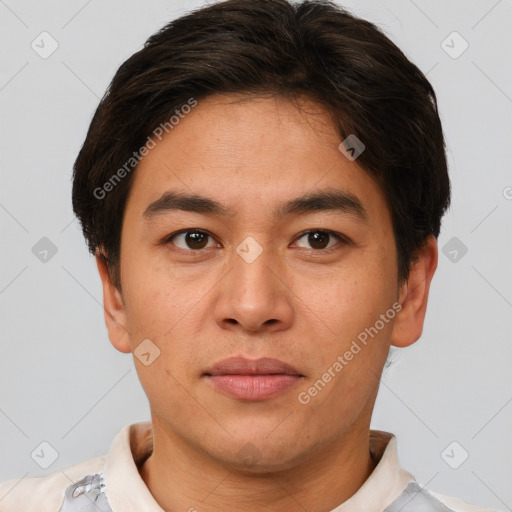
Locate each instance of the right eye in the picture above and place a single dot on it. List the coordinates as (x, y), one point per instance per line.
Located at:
(190, 239)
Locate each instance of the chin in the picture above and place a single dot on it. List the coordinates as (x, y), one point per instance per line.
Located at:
(252, 461)
(261, 453)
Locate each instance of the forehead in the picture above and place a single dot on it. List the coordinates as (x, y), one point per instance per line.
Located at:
(249, 153)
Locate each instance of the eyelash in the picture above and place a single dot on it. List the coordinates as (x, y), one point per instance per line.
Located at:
(341, 238)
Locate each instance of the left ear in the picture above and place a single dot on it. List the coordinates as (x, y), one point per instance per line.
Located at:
(413, 296)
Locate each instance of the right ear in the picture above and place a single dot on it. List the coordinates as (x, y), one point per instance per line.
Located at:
(113, 308)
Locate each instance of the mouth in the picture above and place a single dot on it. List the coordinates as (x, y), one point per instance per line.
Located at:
(252, 380)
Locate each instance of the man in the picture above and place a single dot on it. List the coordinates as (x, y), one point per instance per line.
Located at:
(262, 187)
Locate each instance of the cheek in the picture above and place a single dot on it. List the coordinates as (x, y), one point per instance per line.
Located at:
(349, 306)
(167, 311)
(146, 306)
(352, 299)
(153, 299)
(160, 311)
(354, 309)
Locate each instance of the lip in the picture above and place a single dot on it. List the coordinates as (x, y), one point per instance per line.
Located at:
(252, 379)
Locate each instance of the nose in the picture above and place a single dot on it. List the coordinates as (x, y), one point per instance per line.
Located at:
(254, 295)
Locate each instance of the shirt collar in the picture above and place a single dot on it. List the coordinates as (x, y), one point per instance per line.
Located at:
(126, 490)
(386, 482)
(124, 487)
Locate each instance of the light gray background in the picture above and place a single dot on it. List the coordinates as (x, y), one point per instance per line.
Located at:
(61, 380)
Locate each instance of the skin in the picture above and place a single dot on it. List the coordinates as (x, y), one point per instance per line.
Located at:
(199, 306)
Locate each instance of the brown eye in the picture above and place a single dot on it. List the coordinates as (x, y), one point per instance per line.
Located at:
(196, 240)
(320, 239)
(190, 240)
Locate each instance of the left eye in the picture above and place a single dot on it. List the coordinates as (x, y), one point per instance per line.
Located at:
(191, 240)
(320, 239)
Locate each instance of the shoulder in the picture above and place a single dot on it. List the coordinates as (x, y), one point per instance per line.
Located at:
(45, 493)
(458, 505)
(415, 497)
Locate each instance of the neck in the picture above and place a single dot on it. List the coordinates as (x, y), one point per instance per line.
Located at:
(318, 482)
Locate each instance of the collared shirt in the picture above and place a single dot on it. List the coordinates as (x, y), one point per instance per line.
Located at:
(112, 483)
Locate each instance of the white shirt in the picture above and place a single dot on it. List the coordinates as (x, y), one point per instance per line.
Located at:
(112, 483)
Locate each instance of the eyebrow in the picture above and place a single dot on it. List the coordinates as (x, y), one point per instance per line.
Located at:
(327, 200)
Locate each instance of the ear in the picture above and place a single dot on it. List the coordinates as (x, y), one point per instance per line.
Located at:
(413, 296)
(113, 308)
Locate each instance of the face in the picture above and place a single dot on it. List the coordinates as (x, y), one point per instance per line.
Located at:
(283, 259)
